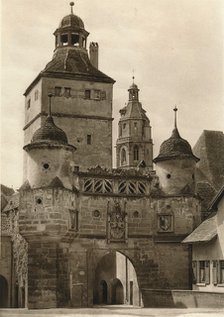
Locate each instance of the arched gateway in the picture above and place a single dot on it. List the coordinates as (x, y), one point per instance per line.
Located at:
(78, 219)
(115, 281)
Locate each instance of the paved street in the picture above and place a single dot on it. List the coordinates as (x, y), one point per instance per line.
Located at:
(114, 311)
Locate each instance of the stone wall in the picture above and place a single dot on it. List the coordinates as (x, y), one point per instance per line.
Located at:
(182, 299)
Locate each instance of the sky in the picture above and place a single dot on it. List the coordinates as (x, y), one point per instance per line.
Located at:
(175, 48)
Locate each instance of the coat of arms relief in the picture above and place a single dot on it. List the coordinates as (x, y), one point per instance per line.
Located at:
(116, 222)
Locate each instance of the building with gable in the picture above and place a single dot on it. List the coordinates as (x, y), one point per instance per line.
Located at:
(81, 232)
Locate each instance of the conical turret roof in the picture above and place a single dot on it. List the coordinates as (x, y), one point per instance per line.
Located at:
(49, 132)
(175, 148)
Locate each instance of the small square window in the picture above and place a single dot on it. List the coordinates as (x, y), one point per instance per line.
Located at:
(28, 103)
(103, 95)
(89, 139)
(87, 94)
(67, 92)
(57, 91)
(97, 94)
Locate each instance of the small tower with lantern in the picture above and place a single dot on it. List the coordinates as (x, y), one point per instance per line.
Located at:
(134, 148)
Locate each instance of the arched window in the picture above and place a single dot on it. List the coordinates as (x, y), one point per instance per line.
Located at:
(123, 157)
(136, 153)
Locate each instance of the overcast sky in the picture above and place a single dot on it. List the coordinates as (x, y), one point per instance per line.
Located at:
(174, 46)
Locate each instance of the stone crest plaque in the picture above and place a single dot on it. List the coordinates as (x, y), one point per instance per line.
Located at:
(117, 222)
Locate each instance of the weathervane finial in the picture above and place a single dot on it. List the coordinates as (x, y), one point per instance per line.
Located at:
(175, 116)
(72, 5)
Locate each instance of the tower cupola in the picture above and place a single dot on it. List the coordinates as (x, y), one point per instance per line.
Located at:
(175, 164)
(71, 31)
(133, 91)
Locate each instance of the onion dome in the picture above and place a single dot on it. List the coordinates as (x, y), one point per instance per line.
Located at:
(175, 148)
(49, 132)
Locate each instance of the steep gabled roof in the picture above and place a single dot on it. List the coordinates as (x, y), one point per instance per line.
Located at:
(205, 232)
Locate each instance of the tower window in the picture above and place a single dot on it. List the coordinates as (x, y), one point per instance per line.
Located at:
(136, 153)
(124, 125)
(87, 94)
(28, 103)
(57, 91)
(67, 92)
(123, 157)
(135, 126)
(64, 39)
(75, 39)
(89, 139)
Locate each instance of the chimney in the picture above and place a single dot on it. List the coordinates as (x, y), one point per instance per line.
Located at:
(93, 53)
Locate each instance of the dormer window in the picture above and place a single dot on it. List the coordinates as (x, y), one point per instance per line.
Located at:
(64, 39)
(75, 39)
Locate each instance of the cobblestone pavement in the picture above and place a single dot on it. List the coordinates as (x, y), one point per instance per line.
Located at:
(115, 311)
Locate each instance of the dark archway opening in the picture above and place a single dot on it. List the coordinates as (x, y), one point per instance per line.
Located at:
(117, 291)
(3, 292)
(103, 292)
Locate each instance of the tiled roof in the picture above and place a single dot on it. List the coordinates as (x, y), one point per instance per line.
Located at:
(56, 183)
(133, 110)
(74, 62)
(205, 232)
(13, 202)
(49, 132)
(175, 148)
(71, 63)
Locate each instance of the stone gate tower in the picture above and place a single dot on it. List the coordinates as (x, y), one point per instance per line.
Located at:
(134, 144)
(82, 96)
